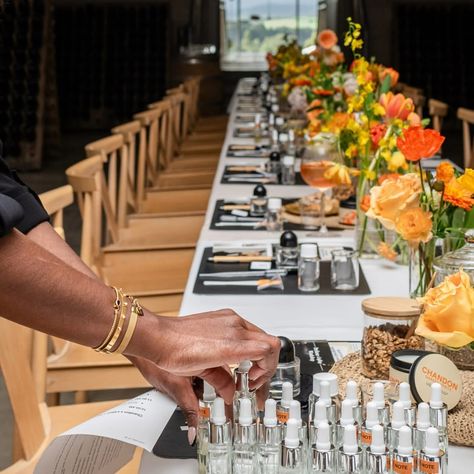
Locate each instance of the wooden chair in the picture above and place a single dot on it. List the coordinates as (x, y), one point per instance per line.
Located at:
(467, 117)
(36, 424)
(437, 110)
(71, 367)
(156, 277)
(138, 232)
(161, 166)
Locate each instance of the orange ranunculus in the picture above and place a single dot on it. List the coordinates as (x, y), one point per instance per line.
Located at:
(392, 197)
(389, 176)
(415, 225)
(459, 196)
(417, 143)
(444, 172)
(338, 121)
(388, 71)
(327, 39)
(396, 105)
(365, 203)
(448, 312)
(301, 81)
(377, 132)
(385, 251)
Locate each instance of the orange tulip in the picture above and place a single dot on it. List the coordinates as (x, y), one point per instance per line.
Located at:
(327, 39)
(377, 132)
(388, 71)
(396, 106)
(414, 120)
(417, 143)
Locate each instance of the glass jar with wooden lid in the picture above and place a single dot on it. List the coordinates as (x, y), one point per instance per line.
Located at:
(389, 326)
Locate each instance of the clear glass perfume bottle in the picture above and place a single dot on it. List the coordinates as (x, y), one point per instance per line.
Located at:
(283, 405)
(292, 460)
(316, 394)
(259, 201)
(204, 416)
(288, 170)
(270, 438)
(244, 459)
(219, 459)
(243, 391)
(323, 457)
(288, 368)
(308, 268)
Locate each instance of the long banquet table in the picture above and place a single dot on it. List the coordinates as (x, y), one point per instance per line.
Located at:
(330, 317)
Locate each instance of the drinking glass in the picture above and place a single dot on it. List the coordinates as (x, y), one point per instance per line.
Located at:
(344, 269)
(318, 158)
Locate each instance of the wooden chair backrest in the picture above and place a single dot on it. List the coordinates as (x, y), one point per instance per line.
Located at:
(467, 117)
(156, 148)
(21, 388)
(179, 103)
(130, 133)
(191, 87)
(114, 153)
(437, 110)
(89, 182)
(54, 201)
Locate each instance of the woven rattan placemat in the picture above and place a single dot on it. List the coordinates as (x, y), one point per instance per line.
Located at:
(460, 419)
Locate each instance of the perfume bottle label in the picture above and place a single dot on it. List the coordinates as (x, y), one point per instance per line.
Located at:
(400, 467)
(282, 416)
(429, 467)
(366, 437)
(204, 413)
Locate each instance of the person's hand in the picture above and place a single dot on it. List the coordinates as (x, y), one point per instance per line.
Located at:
(206, 344)
(178, 388)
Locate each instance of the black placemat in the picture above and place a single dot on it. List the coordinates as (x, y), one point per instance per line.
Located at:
(286, 225)
(248, 132)
(315, 357)
(298, 179)
(250, 153)
(290, 281)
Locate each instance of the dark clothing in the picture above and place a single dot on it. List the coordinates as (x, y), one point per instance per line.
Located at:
(20, 207)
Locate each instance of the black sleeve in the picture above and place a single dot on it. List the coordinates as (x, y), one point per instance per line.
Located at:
(20, 207)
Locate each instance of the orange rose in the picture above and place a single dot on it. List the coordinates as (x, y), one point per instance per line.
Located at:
(392, 197)
(448, 312)
(385, 251)
(392, 176)
(396, 106)
(388, 71)
(327, 39)
(415, 225)
(444, 172)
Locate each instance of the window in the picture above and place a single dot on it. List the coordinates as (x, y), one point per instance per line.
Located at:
(258, 26)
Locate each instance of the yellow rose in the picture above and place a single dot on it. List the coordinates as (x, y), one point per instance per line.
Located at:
(414, 225)
(392, 197)
(448, 314)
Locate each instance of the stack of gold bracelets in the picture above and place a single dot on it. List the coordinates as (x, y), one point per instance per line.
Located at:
(112, 343)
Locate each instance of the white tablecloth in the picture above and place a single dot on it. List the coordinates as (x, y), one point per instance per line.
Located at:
(296, 316)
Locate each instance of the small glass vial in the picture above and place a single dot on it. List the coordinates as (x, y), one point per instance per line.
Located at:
(288, 370)
(273, 216)
(371, 420)
(259, 201)
(292, 460)
(219, 460)
(432, 458)
(315, 395)
(258, 128)
(403, 460)
(377, 456)
(288, 170)
(295, 414)
(439, 414)
(274, 141)
(353, 394)
(350, 454)
(244, 459)
(323, 457)
(242, 390)
(283, 142)
(273, 164)
(204, 416)
(346, 419)
(287, 252)
(279, 123)
(393, 429)
(320, 416)
(291, 143)
(308, 268)
(383, 408)
(283, 406)
(270, 438)
(404, 397)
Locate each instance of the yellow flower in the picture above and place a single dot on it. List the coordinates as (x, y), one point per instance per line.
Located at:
(414, 225)
(377, 109)
(396, 161)
(370, 175)
(448, 316)
(392, 197)
(467, 180)
(338, 174)
(356, 44)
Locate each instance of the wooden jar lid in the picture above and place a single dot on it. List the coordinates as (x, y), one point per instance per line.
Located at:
(391, 307)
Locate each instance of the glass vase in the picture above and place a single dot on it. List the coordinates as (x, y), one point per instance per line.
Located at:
(421, 268)
(369, 233)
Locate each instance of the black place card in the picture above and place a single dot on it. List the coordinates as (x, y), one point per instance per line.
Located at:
(254, 177)
(218, 213)
(290, 281)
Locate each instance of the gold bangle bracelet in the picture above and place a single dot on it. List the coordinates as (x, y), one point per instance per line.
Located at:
(117, 305)
(118, 330)
(136, 312)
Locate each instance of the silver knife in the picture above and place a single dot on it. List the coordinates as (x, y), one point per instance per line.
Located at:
(245, 274)
(235, 283)
(227, 218)
(238, 224)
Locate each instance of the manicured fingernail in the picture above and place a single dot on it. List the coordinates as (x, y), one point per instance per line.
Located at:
(191, 435)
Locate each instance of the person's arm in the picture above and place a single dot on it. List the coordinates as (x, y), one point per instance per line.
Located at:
(74, 306)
